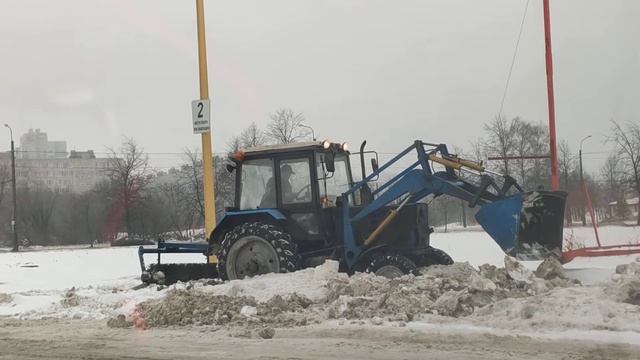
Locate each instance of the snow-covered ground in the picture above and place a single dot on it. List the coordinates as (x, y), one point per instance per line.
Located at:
(475, 246)
(38, 280)
(36, 284)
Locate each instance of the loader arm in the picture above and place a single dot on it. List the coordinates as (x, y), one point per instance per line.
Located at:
(502, 206)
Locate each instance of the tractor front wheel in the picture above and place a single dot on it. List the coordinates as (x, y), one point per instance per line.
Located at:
(434, 256)
(256, 248)
(391, 265)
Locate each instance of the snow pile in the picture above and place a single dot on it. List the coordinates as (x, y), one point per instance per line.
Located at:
(454, 291)
(311, 283)
(5, 298)
(567, 308)
(320, 294)
(509, 297)
(280, 299)
(99, 302)
(625, 284)
(613, 305)
(182, 307)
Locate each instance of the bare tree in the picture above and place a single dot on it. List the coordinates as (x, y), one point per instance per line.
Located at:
(538, 169)
(128, 171)
(520, 138)
(566, 162)
(477, 152)
(614, 179)
(5, 179)
(73, 221)
(225, 185)
(501, 139)
(627, 140)
(234, 144)
(192, 178)
(285, 128)
(37, 210)
(172, 198)
(252, 137)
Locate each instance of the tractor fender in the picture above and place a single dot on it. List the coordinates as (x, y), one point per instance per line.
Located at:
(232, 219)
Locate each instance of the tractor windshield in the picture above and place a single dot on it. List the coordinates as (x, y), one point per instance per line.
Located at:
(333, 185)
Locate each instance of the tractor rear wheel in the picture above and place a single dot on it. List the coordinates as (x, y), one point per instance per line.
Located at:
(434, 256)
(256, 248)
(391, 265)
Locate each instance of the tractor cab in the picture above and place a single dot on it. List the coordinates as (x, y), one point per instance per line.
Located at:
(302, 181)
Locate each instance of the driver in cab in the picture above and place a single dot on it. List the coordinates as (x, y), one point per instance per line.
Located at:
(287, 192)
(269, 198)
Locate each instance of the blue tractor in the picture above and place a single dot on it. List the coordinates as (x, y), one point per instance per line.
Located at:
(297, 205)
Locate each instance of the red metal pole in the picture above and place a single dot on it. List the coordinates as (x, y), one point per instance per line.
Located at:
(555, 180)
(594, 222)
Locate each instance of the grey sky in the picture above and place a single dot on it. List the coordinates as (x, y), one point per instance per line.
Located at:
(90, 72)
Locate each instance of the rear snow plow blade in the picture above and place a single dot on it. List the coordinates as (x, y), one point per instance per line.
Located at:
(166, 274)
(528, 225)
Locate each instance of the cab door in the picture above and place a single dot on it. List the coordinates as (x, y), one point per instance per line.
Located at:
(298, 198)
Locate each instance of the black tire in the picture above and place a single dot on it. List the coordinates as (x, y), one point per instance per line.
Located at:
(434, 256)
(284, 250)
(390, 265)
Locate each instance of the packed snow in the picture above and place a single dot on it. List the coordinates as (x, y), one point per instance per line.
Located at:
(476, 293)
(38, 281)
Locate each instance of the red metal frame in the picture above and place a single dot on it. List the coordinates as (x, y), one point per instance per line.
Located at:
(611, 250)
(594, 221)
(524, 157)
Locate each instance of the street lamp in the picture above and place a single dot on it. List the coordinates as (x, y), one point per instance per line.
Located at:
(13, 186)
(584, 219)
(313, 133)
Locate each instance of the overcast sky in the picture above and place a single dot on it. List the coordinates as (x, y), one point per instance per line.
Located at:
(91, 72)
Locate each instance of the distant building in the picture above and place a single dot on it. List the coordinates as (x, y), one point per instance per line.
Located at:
(40, 162)
(36, 145)
(628, 209)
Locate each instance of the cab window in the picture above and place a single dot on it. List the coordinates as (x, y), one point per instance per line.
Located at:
(333, 185)
(295, 181)
(257, 185)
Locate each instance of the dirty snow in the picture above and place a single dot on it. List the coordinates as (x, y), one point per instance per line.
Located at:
(482, 293)
(499, 298)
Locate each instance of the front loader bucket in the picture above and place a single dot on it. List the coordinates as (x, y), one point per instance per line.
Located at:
(527, 225)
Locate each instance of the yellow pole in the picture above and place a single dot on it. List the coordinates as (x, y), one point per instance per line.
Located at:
(207, 156)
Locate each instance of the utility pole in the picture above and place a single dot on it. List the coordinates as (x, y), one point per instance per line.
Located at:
(14, 224)
(207, 154)
(582, 186)
(553, 151)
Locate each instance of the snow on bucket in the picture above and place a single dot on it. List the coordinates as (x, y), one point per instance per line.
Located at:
(527, 225)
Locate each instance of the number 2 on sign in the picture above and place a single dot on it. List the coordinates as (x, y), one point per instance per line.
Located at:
(200, 108)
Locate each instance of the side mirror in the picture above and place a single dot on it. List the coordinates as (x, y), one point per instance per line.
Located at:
(374, 165)
(230, 168)
(329, 162)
